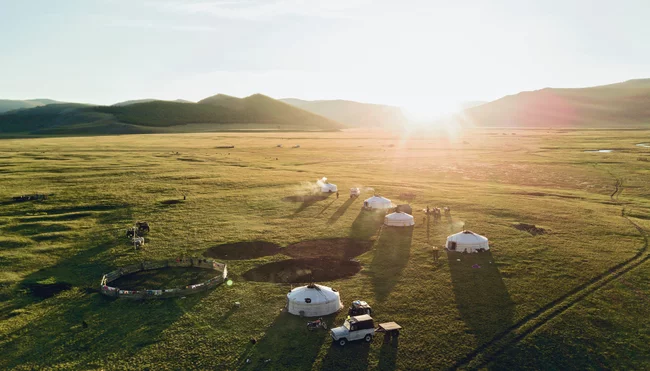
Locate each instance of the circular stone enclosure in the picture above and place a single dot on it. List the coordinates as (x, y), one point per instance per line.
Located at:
(303, 270)
(164, 279)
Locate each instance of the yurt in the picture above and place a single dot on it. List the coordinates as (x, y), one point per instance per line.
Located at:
(328, 188)
(467, 241)
(399, 219)
(377, 203)
(313, 301)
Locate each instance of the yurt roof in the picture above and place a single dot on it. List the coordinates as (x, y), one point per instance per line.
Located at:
(399, 216)
(378, 199)
(467, 237)
(317, 294)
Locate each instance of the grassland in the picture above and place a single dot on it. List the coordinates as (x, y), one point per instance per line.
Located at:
(574, 297)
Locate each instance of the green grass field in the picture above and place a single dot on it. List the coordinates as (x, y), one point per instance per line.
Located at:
(575, 297)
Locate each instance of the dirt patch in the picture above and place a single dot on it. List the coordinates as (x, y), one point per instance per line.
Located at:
(243, 250)
(47, 290)
(165, 278)
(305, 198)
(341, 248)
(530, 228)
(303, 270)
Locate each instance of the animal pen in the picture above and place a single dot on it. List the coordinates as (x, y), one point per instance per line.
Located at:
(161, 293)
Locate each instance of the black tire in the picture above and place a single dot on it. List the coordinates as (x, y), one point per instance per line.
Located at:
(368, 338)
(342, 342)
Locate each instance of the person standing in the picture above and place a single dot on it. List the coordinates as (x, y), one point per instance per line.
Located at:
(435, 254)
(337, 195)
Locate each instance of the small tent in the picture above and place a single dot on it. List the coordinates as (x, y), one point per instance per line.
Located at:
(313, 301)
(399, 219)
(377, 203)
(328, 188)
(467, 241)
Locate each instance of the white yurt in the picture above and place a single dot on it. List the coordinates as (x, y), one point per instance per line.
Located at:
(399, 219)
(467, 241)
(328, 188)
(313, 301)
(377, 203)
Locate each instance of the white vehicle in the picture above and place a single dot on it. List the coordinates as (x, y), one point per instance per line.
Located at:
(355, 328)
(355, 192)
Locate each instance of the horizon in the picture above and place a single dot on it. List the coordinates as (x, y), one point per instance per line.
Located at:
(362, 51)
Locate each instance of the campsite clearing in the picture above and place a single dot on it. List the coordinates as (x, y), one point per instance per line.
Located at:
(536, 299)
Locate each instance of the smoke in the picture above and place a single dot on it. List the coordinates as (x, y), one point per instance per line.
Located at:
(367, 189)
(312, 187)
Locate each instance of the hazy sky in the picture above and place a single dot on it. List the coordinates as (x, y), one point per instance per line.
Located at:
(423, 55)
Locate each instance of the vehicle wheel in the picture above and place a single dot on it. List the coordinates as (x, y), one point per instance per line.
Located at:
(342, 342)
(368, 338)
(325, 325)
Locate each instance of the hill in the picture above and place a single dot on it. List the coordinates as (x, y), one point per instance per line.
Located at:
(7, 105)
(136, 101)
(625, 104)
(353, 114)
(257, 112)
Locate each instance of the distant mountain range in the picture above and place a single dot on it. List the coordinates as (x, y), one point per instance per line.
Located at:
(136, 101)
(353, 114)
(621, 105)
(217, 113)
(7, 105)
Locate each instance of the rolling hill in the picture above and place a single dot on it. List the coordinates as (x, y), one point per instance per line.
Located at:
(625, 104)
(217, 113)
(146, 100)
(353, 114)
(7, 105)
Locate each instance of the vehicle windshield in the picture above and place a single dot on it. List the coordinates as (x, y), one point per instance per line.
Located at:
(346, 324)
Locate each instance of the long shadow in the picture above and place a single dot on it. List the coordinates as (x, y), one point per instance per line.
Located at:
(352, 356)
(481, 295)
(340, 211)
(286, 345)
(366, 224)
(388, 353)
(89, 328)
(326, 207)
(83, 269)
(392, 252)
(307, 200)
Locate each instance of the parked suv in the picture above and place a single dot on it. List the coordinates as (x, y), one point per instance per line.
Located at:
(355, 328)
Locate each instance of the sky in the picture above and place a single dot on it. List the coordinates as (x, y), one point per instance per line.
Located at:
(426, 56)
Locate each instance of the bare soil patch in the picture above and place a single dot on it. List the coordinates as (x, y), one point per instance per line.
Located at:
(530, 228)
(242, 250)
(304, 270)
(341, 248)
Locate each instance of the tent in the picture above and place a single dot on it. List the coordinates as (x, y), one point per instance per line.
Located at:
(377, 203)
(313, 301)
(328, 188)
(399, 219)
(467, 241)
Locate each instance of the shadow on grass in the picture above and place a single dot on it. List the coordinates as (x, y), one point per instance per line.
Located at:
(326, 207)
(366, 224)
(388, 353)
(286, 345)
(481, 295)
(392, 252)
(113, 327)
(306, 200)
(340, 211)
(352, 356)
(83, 269)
